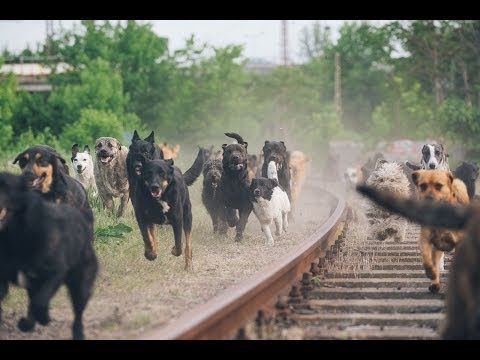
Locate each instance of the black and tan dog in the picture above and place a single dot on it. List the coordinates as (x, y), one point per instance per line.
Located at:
(139, 151)
(43, 246)
(110, 169)
(233, 191)
(438, 186)
(161, 197)
(45, 173)
(463, 294)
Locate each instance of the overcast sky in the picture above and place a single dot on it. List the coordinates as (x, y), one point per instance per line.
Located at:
(261, 38)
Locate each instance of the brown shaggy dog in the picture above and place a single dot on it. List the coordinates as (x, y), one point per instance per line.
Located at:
(463, 295)
(169, 151)
(298, 164)
(438, 185)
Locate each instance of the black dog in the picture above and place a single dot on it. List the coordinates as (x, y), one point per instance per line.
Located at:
(468, 173)
(212, 175)
(42, 246)
(234, 186)
(40, 166)
(139, 151)
(277, 151)
(162, 197)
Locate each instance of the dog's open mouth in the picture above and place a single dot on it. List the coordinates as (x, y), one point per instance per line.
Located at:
(79, 171)
(239, 166)
(35, 182)
(156, 193)
(138, 170)
(106, 159)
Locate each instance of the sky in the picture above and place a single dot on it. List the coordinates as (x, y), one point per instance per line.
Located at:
(261, 38)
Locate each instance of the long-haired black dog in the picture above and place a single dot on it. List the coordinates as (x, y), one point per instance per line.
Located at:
(277, 151)
(43, 246)
(467, 171)
(139, 151)
(162, 197)
(234, 185)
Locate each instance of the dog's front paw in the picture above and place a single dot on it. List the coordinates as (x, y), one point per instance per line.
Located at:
(239, 237)
(175, 252)
(434, 288)
(278, 232)
(150, 255)
(25, 324)
(270, 242)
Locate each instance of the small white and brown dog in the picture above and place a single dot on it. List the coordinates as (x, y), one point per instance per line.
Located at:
(82, 165)
(270, 203)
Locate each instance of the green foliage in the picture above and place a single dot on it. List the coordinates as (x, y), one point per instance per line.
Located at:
(117, 231)
(8, 102)
(460, 121)
(91, 125)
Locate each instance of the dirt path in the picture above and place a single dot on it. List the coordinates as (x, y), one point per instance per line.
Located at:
(133, 295)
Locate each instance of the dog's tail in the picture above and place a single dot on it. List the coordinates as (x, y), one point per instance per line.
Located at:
(272, 170)
(236, 137)
(424, 213)
(196, 169)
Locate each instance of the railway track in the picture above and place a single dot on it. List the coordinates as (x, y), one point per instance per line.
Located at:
(318, 292)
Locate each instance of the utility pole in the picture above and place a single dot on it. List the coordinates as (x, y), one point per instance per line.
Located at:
(49, 35)
(338, 87)
(284, 42)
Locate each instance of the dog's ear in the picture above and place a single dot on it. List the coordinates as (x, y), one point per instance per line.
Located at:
(379, 163)
(283, 143)
(18, 157)
(135, 136)
(119, 145)
(245, 144)
(86, 149)
(150, 138)
(74, 150)
(224, 146)
(267, 142)
(169, 162)
(450, 177)
(413, 166)
(424, 149)
(415, 176)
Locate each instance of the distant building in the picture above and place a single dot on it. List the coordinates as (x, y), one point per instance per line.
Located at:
(32, 77)
(259, 66)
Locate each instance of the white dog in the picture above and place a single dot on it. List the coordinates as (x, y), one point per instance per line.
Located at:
(82, 165)
(270, 203)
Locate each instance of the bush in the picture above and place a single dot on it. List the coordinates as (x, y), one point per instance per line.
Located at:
(91, 125)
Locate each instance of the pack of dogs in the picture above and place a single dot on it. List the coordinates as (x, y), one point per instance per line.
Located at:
(445, 205)
(47, 223)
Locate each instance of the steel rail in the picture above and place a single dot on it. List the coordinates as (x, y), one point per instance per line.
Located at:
(220, 317)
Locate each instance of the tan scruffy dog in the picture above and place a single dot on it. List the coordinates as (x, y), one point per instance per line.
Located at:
(169, 151)
(298, 165)
(438, 185)
(387, 176)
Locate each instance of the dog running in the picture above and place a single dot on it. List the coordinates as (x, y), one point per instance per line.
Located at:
(82, 165)
(162, 197)
(110, 171)
(139, 151)
(45, 173)
(42, 246)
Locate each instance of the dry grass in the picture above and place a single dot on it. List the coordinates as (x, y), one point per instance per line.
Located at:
(133, 295)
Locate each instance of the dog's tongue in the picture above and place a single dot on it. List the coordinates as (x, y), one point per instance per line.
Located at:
(239, 167)
(104, 159)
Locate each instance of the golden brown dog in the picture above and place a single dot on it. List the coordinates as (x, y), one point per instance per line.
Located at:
(169, 151)
(298, 164)
(438, 185)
